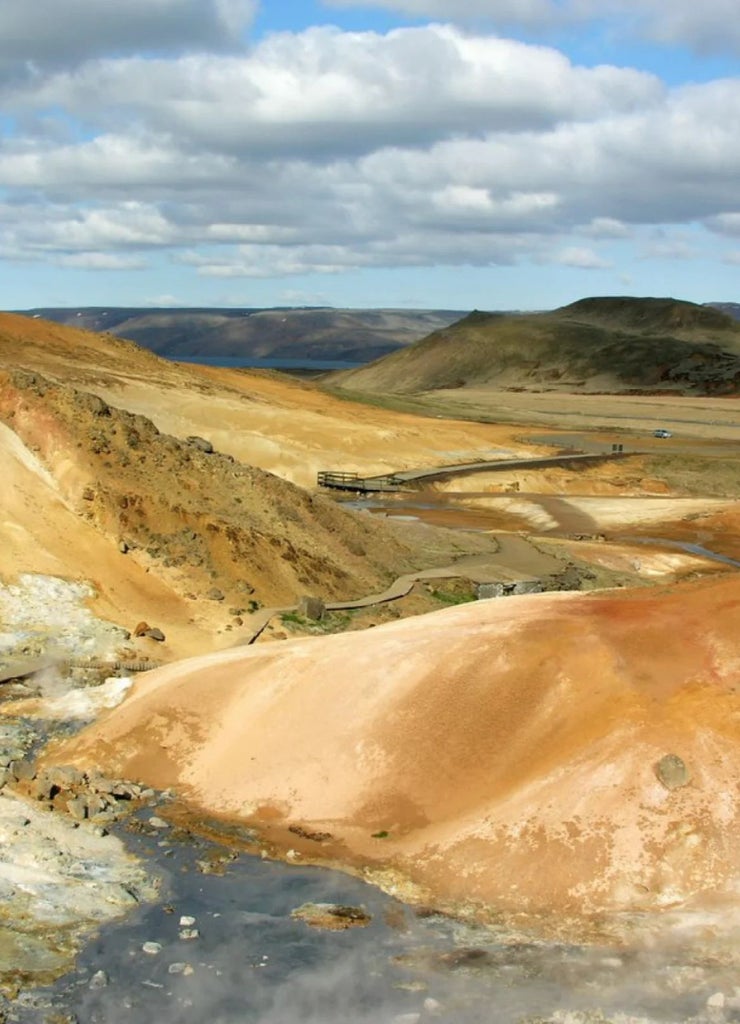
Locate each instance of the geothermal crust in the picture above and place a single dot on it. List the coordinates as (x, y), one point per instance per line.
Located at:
(563, 752)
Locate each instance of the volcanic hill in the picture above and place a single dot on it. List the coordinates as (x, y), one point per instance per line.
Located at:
(567, 754)
(169, 529)
(597, 344)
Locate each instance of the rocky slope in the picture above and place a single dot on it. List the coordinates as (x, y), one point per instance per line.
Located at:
(169, 530)
(600, 344)
(563, 754)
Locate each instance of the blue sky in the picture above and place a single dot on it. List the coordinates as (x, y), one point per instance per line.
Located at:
(490, 154)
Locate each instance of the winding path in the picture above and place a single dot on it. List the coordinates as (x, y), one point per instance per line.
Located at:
(496, 568)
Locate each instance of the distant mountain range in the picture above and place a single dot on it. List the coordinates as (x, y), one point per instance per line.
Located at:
(313, 334)
(730, 308)
(598, 344)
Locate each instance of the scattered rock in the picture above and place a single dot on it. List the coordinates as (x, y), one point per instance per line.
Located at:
(332, 916)
(315, 837)
(158, 822)
(180, 968)
(99, 980)
(22, 771)
(96, 804)
(716, 1001)
(201, 444)
(483, 591)
(42, 789)
(152, 948)
(311, 607)
(186, 921)
(95, 404)
(672, 772)
(155, 634)
(77, 808)
(466, 957)
(141, 629)
(123, 547)
(65, 776)
(214, 594)
(189, 933)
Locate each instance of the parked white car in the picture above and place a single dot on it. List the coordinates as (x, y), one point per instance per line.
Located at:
(662, 433)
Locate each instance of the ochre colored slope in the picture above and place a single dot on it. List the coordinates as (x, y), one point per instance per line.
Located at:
(287, 427)
(507, 747)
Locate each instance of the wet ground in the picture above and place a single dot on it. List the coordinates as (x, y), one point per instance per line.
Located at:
(217, 942)
(450, 510)
(246, 959)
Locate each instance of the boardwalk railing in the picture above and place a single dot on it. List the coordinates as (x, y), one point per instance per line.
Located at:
(355, 482)
(329, 479)
(400, 480)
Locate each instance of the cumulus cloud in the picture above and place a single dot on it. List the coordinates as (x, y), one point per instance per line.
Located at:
(712, 26)
(325, 91)
(325, 151)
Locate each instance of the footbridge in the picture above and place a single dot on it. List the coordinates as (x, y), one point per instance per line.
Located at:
(403, 480)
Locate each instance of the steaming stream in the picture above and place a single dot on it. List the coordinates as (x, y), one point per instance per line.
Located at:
(253, 963)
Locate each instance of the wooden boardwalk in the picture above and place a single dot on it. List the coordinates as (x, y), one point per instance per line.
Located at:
(402, 479)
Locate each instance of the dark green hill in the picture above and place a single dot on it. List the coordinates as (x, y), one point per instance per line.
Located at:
(609, 344)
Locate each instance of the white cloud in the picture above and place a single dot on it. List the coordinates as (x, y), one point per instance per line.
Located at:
(606, 227)
(583, 258)
(326, 151)
(100, 261)
(324, 91)
(725, 224)
(712, 26)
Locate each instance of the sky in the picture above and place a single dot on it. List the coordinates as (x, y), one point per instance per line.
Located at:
(458, 154)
